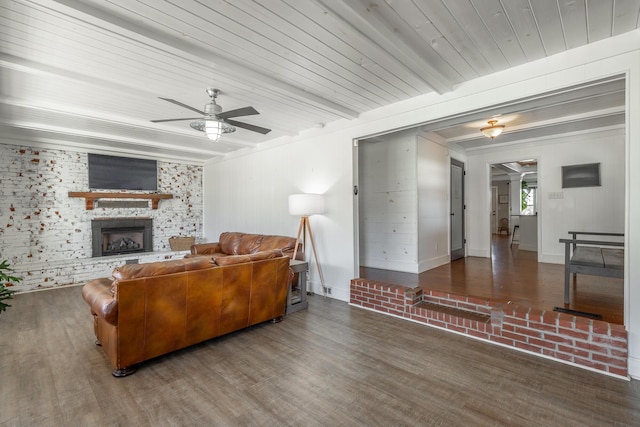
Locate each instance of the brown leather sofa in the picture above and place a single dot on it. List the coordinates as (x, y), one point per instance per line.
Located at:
(156, 308)
(235, 243)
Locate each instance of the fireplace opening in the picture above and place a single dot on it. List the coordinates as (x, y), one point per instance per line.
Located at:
(117, 236)
(118, 241)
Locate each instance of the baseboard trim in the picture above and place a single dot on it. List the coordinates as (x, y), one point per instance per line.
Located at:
(633, 367)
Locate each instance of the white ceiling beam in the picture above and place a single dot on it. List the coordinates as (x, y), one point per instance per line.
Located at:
(605, 118)
(379, 31)
(16, 136)
(28, 66)
(17, 121)
(65, 132)
(187, 51)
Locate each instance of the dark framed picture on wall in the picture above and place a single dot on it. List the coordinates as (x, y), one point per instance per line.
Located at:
(586, 175)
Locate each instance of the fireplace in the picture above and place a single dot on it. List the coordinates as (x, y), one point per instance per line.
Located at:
(117, 236)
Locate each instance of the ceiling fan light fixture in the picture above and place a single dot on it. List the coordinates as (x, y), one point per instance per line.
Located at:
(492, 130)
(213, 129)
(214, 121)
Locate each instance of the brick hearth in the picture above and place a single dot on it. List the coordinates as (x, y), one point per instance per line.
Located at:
(579, 341)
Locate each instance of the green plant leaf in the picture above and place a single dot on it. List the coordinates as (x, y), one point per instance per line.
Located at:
(5, 279)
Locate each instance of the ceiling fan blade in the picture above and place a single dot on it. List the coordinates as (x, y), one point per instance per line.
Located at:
(173, 101)
(175, 120)
(245, 111)
(247, 126)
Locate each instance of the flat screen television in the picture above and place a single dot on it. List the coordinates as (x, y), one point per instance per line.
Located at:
(122, 173)
(587, 175)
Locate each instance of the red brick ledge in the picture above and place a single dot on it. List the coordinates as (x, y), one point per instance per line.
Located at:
(586, 343)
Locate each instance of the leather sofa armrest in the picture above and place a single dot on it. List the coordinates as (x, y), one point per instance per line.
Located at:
(97, 293)
(205, 248)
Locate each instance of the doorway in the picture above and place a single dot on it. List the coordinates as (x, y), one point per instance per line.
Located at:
(494, 210)
(559, 209)
(514, 186)
(457, 239)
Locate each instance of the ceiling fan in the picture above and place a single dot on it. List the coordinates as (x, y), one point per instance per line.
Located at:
(214, 122)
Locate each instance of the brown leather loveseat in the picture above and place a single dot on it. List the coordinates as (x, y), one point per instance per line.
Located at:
(235, 243)
(156, 308)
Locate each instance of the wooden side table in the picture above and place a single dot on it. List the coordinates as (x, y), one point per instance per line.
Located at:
(298, 302)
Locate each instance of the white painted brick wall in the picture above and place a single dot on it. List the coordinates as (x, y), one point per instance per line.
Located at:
(46, 235)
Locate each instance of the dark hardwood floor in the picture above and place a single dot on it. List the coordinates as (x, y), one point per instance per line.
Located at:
(329, 365)
(516, 276)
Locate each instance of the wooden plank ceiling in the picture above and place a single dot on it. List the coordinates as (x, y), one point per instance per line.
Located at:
(89, 73)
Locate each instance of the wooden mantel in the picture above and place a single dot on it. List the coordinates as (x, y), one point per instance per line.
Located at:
(90, 197)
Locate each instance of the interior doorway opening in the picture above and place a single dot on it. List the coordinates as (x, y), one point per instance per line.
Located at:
(544, 126)
(514, 203)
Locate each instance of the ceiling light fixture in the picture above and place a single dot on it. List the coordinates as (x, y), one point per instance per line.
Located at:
(213, 127)
(492, 130)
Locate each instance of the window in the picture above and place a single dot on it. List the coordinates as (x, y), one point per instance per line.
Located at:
(528, 198)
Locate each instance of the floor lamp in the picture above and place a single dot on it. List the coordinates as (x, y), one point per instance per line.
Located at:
(305, 205)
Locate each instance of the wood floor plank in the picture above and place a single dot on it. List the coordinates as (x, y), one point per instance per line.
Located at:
(517, 276)
(332, 364)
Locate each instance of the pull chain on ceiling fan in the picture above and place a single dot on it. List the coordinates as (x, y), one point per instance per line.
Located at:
(213, 121)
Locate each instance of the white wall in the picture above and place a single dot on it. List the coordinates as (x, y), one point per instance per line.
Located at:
(584, 209)
(388, 202)
(248, 191)
(403, 202)
(589, 208)
(433, 203)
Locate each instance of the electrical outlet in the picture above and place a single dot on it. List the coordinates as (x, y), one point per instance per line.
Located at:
(328, 291)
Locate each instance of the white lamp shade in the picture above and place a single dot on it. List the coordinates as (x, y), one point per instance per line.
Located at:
(306, 204)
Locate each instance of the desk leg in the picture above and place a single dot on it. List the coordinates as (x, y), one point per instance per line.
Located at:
(567, 274)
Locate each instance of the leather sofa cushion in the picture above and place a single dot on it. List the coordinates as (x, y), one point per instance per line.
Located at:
(234, 243)
(278, 242)
(237, 259)
(206, 249)
(231, 259)
(133, 271)
(230, 243)
(211, 255)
